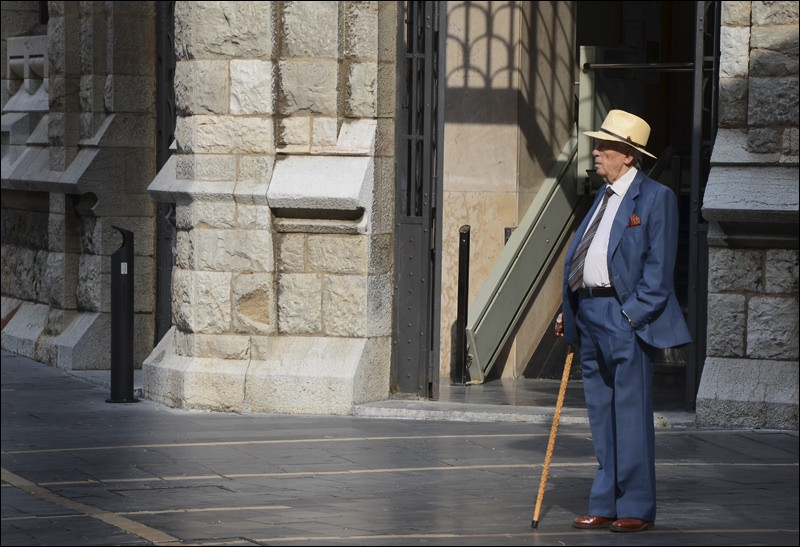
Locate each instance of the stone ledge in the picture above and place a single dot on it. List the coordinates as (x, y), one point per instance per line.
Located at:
(337, 189)
(752, 194)
(752, 206)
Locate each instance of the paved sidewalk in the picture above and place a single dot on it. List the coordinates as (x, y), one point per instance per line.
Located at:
(77, 470)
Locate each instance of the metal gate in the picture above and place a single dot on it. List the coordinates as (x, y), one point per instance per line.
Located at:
(419, 141)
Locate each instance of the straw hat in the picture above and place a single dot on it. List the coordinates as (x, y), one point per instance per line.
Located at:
(624, 127)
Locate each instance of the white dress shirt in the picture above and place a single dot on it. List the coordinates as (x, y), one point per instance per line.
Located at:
(595, 269)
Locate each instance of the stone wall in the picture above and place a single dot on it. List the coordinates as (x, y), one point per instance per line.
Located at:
(282, 185)
(80, 112)
(750, 376)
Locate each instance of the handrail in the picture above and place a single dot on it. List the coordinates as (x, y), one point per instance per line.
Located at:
(663, 67)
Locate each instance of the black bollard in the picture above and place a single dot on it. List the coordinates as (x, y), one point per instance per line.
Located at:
(122, 321)
(461, 314)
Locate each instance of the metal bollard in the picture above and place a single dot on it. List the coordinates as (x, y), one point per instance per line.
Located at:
(462, 376)
(122, 321)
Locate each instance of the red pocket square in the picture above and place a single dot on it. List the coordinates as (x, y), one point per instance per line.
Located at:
(634, 221)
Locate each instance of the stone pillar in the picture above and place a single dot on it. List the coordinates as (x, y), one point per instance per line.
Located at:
(282, 285)
(750, 376)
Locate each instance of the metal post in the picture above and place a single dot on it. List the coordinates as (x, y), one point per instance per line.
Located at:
(463, 295)
(122, 321)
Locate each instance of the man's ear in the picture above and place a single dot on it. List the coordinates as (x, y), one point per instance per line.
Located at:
(631, 156)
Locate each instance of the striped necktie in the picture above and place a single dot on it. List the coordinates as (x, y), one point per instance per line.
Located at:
(576, 270)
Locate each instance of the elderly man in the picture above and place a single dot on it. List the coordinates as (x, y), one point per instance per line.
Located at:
(618, 303)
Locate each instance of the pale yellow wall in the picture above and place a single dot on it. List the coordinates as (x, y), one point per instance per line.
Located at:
(505, 124)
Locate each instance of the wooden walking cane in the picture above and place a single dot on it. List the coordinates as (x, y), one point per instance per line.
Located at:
(551, 443)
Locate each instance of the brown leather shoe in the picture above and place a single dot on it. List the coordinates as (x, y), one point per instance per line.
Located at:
(590, 521)
(629, 524)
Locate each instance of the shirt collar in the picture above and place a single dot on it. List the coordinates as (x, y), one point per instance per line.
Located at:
(621, 186)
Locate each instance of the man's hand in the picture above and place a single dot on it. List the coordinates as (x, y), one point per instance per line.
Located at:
(559, 326)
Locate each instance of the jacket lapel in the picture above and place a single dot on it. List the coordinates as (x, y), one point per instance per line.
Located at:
(624, 212)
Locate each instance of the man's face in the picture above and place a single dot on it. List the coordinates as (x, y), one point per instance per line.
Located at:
(611, 159)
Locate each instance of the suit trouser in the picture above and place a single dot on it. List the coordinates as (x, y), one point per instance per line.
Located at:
(617, 382)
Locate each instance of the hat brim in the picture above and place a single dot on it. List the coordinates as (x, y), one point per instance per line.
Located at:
(607, 137)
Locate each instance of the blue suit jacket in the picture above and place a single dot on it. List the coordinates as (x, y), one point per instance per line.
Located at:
(641, 265)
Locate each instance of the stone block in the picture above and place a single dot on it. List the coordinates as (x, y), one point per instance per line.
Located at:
(191, 382)
(225, 135)
(224, 30)
(362, 90)
(253, 217)
(361, 22)
(748, 393)
(61, 279)
(773, 101)
(201, 301)
(23, 329)
(305, 375)
(144, 281)
(381, 254)
(300, 303)
(790, 147)
(251, 87)
(217, 346)
(254, 304)
(734, 270)
(125, 93)
(324, 132)
(764, 140)
(94, 283)
(734, 52)
(257, 169)
(129, 130)
(726, 334)
(735, 14)
(163, 373)
(214, 384)
(774, 13)
(344, 305)
(380, 290)
(781, 271)
(86, 343)
(220, 215)
(206, 167)
(338, 254)
(123, 33)
(8, 307)
(201, 87)
(295, 134)
(773, 327)
(309, 29)
(308, 87)
(286, 374)
(230, 250)
(22, 272)
(292, 253)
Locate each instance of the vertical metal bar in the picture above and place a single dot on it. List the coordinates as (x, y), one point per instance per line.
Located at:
(698, 262)
(438, 81)
(463, 301)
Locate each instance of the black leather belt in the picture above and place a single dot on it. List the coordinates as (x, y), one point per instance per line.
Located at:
(596, 292)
